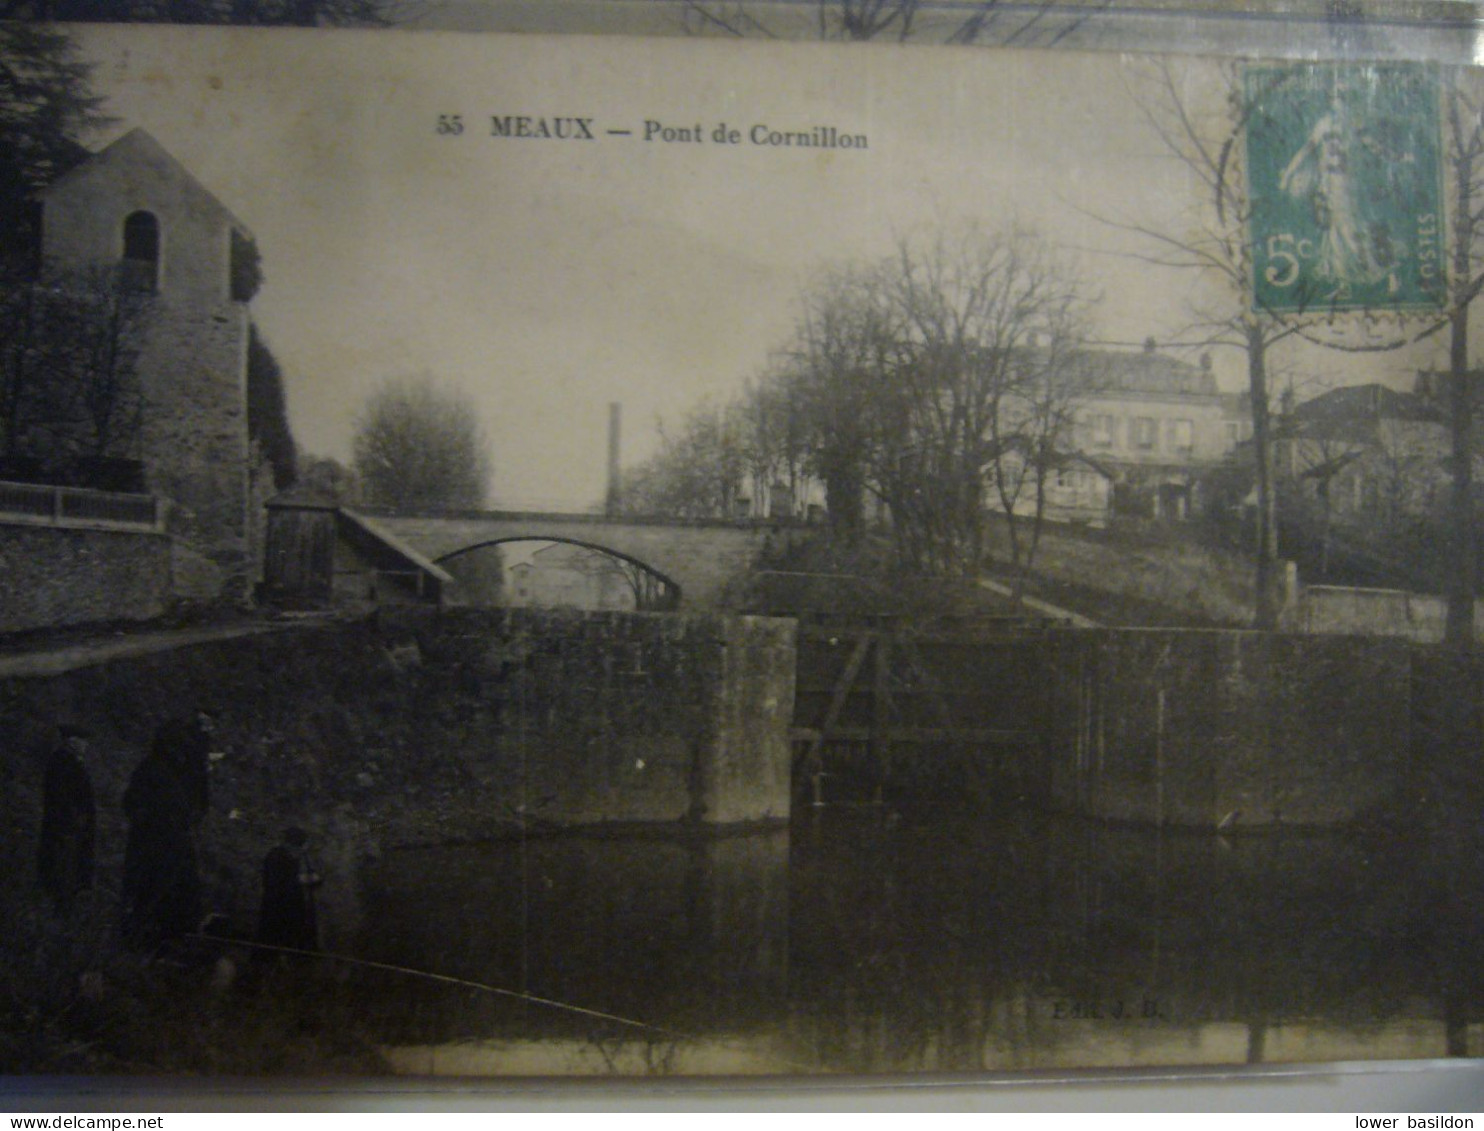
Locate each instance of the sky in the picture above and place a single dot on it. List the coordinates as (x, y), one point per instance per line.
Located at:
(549, 277)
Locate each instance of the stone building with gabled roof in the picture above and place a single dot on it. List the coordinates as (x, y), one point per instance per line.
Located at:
(132, 207)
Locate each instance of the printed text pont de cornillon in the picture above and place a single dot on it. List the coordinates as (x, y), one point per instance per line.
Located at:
(654, 131)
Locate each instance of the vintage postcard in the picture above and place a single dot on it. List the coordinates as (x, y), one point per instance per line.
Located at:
(550, 556)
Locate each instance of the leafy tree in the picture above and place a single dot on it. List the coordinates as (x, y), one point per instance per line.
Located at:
(419, 446)
(267, 411)
(329, 477)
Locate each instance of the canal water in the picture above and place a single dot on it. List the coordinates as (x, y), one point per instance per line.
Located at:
(864, 940)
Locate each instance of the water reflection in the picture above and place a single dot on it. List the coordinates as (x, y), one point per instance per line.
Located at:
(864, 941)
(689, 936)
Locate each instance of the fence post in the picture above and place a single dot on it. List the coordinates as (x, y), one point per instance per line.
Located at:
(880, 721)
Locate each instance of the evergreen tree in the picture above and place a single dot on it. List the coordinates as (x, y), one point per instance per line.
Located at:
(45, 106)
(267, 410)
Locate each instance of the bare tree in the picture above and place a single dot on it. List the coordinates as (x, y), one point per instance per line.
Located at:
(1214, 248)
(1037, 435)
(698, 472)
(22, 358)
(70, 381)
(646, 588)
(1464, 137)
(105, 325)
(995, 22)
(479, 575)
(418, 446)
(260, 13)
(1214, 245)
(772, 441)
(972, 346)
(1320, 457)
(836, 368)
(923, 377)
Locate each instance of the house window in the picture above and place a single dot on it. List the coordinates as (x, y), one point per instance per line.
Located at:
(1103, 426)
(141, 266)
(1145, 431)
(1182, 435)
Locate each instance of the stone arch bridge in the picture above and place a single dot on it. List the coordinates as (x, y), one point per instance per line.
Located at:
(697, 559)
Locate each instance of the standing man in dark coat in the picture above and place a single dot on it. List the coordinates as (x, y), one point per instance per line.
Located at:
(287, 916)
(162, 888)
(185, 744)
(68, 821)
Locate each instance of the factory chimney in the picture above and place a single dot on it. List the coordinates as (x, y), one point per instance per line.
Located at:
(615, 413)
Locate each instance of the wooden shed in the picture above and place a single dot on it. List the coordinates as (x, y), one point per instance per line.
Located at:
(299, 558)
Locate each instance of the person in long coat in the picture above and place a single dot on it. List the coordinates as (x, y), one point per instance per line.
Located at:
(162, 886)
(287, 916)
(68, 821)
(185, 744)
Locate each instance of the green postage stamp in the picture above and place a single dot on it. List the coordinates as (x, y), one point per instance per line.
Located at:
(1345, 182)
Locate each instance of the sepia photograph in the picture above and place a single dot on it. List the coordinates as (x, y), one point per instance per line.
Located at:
(870, 549)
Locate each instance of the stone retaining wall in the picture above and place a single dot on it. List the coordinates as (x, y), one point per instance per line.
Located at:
(427, 728)
(1418, 617)
(53, 577)
(1226, 728)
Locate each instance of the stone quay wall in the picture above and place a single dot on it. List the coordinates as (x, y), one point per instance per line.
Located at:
(426, 728)
(1418, 617)
(55, 577)
(1227, 729)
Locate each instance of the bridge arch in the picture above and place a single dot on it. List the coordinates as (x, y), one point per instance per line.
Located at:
(652, 589)
(702, 559)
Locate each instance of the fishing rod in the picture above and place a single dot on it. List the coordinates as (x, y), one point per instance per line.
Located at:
(468, 983)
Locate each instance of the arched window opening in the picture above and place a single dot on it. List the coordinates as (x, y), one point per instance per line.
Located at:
(141, 266)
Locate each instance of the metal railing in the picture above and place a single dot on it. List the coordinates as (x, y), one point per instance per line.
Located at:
(62, 506)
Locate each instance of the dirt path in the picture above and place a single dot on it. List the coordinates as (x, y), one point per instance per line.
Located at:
(42, 659)
(1044, 607)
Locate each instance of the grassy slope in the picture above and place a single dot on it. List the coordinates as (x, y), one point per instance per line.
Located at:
(1155, 575)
